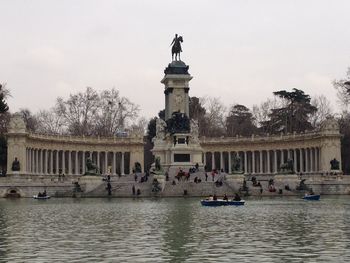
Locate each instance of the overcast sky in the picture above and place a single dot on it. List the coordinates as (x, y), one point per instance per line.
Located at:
(240, 51)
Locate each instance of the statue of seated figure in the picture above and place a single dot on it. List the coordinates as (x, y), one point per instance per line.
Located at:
(287, 167)
(91, 168)
(15, 165)
(334, 164)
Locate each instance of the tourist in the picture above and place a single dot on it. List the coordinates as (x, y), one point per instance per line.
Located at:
(138, 192)
(133, 190)
(206, 177)
(237, 197)
(213, 175)
(197, 166)
(195, 179)
(225, 197)
(173, 183)
(44, 193)
(210, 198)
(215, 197)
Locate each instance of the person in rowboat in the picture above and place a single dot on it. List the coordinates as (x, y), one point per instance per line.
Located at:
(237, 197)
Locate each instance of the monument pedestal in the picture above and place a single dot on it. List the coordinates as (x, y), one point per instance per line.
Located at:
(176, 144)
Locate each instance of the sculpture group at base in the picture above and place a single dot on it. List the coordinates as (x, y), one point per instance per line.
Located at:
(91, 168)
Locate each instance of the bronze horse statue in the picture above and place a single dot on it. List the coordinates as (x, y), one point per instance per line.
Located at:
(176, 49)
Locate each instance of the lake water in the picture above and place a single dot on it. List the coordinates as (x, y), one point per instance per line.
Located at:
(174, 230)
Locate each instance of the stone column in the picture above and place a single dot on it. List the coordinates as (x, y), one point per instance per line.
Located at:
(301, 160)
(311, 160)
(69, 162)
(268, 162)
(98, 161)
(51, 162)
(261, 162)
(46, 162)
(245, 163)
(122, 165)
(213, 160)
(282, 156)
(113, 165)
(317, 160)
(83, 165)
(76, 163)
(33, 161)
(29, 160)
(40, 171)
(63, 162)
(36, 161)
(253, 162)
(307, 167)
(57, 162)
(229, 163)
(106, 162)
(222, 161)
(295, 160)
(275, 161)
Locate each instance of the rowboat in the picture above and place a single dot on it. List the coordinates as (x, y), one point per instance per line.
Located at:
(41, 197)
(221, 202)
(312, 197)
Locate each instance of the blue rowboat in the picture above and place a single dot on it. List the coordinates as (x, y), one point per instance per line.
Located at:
(221, 202)
(41, 197)
(312, 197)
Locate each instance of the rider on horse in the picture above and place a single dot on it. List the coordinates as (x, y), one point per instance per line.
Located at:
(176, 48)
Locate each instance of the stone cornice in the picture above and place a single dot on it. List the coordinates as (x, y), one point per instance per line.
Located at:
(85, 140)
(292, 140)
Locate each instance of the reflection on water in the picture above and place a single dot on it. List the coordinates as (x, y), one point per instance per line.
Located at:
(174, 230)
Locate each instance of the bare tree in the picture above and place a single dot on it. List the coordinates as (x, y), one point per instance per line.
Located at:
(92, 113)
(78, 112)
(343, 90)
(324, 110)
(215, 117)
(29, 119)
(48, 122)
(114, 113)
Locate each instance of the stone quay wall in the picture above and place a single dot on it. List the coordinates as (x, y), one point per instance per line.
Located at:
(121, 186)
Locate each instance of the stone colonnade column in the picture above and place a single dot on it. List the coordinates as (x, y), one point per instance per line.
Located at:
(213, 160)
(229, 163)
(122, 164)
(113, 165)
(253, 162)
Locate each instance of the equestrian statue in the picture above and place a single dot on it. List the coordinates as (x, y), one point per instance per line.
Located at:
(176, 47)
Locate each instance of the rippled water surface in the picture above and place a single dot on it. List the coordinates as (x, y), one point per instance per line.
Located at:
(174, 230)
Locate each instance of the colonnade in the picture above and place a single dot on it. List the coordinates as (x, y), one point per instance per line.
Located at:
(54, 162)
(305, 160)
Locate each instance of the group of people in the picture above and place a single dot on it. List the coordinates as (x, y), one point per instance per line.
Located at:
(134, 191)
(43, 194)
(225, 197)
(143, 178)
